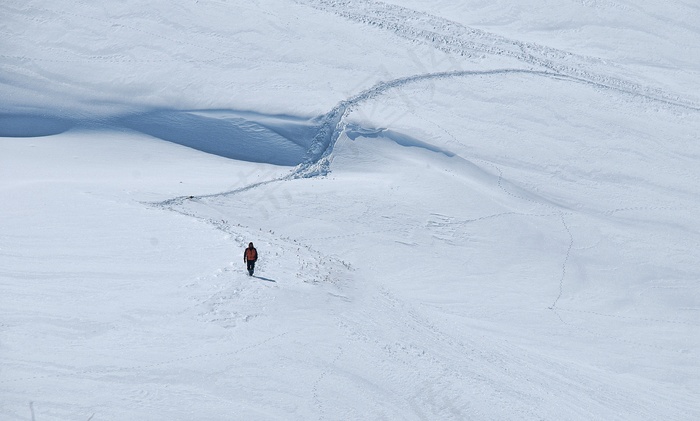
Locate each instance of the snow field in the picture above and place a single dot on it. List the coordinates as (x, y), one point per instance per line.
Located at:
(493, 216)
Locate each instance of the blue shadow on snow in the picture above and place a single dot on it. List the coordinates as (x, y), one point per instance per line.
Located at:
(27, 125)
(354, 131)
(246, 136)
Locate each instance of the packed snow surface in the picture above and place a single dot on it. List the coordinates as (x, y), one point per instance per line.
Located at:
(464, 210)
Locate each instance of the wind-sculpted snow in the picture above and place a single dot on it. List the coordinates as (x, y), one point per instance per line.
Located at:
(320, 134)
(246, 136)
(258, 138)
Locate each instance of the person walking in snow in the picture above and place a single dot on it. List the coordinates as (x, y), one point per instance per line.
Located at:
(250, 255)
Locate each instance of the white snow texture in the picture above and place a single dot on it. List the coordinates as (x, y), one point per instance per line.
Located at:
(464, 210)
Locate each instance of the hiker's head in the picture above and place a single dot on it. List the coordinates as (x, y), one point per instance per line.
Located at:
(250, 245)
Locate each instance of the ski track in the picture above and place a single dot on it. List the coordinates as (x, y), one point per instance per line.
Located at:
(454, 38)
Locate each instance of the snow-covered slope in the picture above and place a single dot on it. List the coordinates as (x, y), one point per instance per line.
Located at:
(468, 210)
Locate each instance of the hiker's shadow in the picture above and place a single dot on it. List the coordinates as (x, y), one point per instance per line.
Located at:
(264, 279)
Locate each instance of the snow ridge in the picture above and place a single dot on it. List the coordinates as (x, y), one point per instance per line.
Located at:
(319, 155)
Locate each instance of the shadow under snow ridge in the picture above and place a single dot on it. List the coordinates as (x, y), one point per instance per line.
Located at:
(353, 131)
(242, 135)
(246, 136)
(28, 125)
